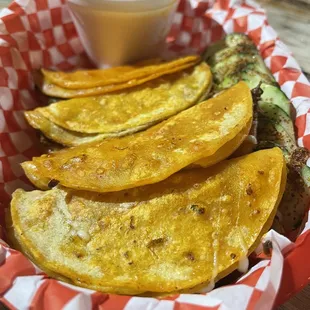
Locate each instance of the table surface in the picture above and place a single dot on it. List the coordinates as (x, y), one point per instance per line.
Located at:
(291, 20)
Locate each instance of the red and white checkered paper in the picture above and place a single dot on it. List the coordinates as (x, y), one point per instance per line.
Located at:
(35, 34)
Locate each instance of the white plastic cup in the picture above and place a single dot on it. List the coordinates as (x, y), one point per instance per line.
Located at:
(118, 32)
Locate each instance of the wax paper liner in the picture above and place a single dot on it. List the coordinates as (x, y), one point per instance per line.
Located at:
(35, 34)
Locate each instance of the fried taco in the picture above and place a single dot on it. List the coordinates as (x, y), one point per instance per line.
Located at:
(152, 155)
(177, 235)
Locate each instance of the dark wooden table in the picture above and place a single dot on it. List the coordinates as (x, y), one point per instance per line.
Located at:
(291, 19)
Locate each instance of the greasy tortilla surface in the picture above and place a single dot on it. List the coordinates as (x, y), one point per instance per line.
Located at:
(72, 138)
(101, 77)
(53, 90)
(128, 109)
(185, 231)
(152, 155)
(226, 150)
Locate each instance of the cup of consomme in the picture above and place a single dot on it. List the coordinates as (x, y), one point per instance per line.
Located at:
(118, 32)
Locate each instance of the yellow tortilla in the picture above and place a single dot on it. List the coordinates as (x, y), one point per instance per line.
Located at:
(102, 77)
(72, 138)
(53, 90)
(186, 231)
(138, 106)
(226, 150)
(152, 155)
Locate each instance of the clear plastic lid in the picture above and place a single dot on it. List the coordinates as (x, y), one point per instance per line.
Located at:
(125, 5)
